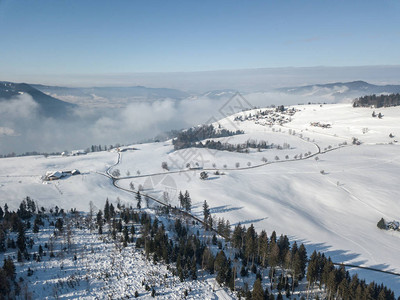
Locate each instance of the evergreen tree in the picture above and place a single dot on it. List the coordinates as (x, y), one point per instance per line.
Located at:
(107, 211)
(181, 199)
(9, 268)
(139, 200)
(59, 224)
(21, 240)
(220, 261)
(2, 239)
(263, 247)
(302, 259)
(273, 260)
(99, 218)
(193, 269)
(35, 226)
(187, 202)
(112, 211)
(237, 236)
(19, 256)
(126, 234)
(343, 289)
(381, 224)
(250, 246)
(206, 212)
(258, 292)
(4, 284)
(227, 230)
(6, 212)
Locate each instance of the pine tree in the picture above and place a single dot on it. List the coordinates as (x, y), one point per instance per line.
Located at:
(227, 230)
(6, 212)
(193, 269)
(381, 224)
(258, 292)
(99, 218)
(107, 211)
(4, 284)
(2, 240)
(312, 270)
(343, 289)
(112, 211)
(9, 268)
(21, 240)
(19, 256)
(188, 201)
(59, 224)
(303, 259)
(250, 247)
(220, 261)
(273, 260)
(181, 199)
(126, 234)
(237, 236)
(206, 212)
(139, 200)
(35, 226)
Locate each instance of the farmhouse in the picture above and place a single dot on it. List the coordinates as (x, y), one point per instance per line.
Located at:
(78, 152)
(55, 175)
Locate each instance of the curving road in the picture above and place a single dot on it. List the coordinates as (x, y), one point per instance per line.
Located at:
(187, 214)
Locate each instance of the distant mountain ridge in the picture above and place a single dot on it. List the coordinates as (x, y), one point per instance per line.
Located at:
(218, 94)
(341, 90)
(140, 92)
(48, 106)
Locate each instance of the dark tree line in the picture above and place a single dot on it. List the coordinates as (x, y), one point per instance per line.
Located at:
(241, 148)
(339, 284)
(258, 251)
(20, 222)
(253, 252)
(192, 136)
(377, 101)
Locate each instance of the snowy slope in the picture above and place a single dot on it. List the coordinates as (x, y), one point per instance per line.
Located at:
(335, 212)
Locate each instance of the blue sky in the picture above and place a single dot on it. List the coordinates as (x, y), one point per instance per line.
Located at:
(102, 37)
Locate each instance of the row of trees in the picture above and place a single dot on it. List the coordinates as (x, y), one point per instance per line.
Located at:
(377, 101)
(339, 284)
(241, 148)
(192, 136)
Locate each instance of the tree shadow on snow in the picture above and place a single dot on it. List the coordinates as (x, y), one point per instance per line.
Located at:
(223, 209)
(249, 221)
(377, 272)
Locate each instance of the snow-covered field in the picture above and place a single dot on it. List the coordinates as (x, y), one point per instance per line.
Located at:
(334, 211)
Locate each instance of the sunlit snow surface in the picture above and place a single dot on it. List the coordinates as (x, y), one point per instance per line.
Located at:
(335, 212)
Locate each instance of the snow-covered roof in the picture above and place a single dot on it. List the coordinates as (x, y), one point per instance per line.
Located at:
(58, 174)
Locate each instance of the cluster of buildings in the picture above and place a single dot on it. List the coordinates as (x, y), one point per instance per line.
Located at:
(74, 153)
(318, 124)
